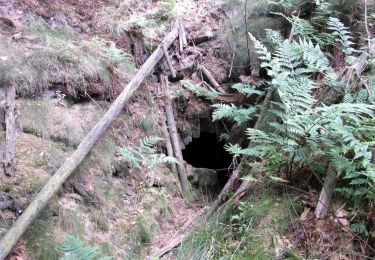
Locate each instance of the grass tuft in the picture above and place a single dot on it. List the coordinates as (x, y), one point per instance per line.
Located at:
(242, 233)
(42, 57)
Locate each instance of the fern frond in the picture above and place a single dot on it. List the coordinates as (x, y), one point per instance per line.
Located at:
(131, 157)
(343, 36)
(200, 91)
(237, 151)
(162, 159)
(116, 55)
(75, 249)
(359, 228)
(239, 115)
(150, 141)
(274, 37)
(263, 54)
(247, 89)
(145, 154)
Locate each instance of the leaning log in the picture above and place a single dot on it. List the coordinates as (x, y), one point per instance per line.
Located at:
(10, 130)
(224, 192)
(176, 145)
(55, 182)
(168, 143)
(169, 62)
(326, 193)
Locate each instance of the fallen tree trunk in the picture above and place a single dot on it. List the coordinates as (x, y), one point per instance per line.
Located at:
(176, 144)
(55, 182)
(10, 130)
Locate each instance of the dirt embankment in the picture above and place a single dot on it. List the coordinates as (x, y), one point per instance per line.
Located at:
(106, 202)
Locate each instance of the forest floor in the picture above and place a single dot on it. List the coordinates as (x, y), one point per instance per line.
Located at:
(108, 203)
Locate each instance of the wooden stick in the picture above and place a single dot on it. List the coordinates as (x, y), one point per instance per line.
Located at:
(177, 239)
(168, 143)
(175, 242)
(176, 145)
(326, 193)
(55, 182)
(223, 194)
(169, 62)
(211, 79)
(184, 38)
(11, 130)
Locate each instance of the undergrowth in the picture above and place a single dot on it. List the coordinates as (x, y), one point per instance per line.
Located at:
(42, 57)
(245, 232)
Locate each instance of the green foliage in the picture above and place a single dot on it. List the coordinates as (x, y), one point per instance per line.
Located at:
(116, 55)
(342, 35)
(40, 234)
(305, 131)
(247, 90)
(289, 5)
(199, 90)
(145, 154)
(74, 248)
(239, 115)
(359, 228)
(254, 223)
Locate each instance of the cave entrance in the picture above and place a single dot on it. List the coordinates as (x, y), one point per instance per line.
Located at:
(208, 152)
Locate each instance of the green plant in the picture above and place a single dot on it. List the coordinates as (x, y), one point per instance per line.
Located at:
(242, 233)
(74, 248)
(39, 234)
(306, 132)
(359, 228)
(199, 90)
(145, 154)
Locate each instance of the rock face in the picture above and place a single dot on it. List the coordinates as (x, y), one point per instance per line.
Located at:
(205, 179)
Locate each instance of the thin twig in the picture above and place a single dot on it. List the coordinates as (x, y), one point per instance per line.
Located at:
(369, 35)
(247, 37)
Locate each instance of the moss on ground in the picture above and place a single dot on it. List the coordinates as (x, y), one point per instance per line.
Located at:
(39, 241)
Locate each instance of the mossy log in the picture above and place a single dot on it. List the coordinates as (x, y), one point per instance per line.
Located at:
(53, 185)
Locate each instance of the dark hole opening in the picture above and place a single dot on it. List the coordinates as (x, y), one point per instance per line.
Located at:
(177, 78)
(208, 152)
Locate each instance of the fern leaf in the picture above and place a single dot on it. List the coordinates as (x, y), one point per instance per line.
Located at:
(200, 91)
(75, 249)
(343, 36)
(247, 90)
